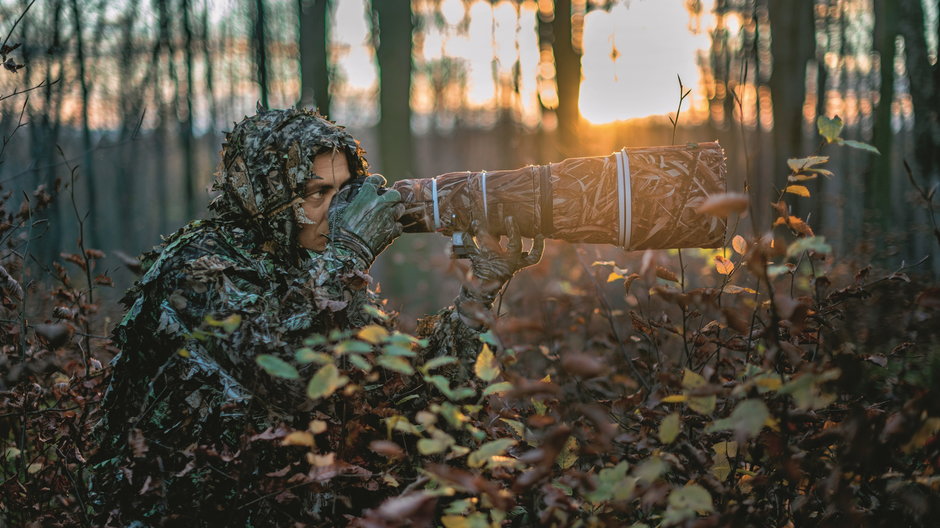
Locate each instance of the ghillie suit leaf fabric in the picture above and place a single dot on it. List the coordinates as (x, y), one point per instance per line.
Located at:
(191, 410)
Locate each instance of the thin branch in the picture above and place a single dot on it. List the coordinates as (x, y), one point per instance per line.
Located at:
(41, 84)
(9, 33)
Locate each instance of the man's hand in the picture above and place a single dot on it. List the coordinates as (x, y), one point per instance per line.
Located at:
(492, 267)
(366, 222)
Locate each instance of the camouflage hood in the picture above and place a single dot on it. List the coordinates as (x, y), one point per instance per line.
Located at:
(266, 161)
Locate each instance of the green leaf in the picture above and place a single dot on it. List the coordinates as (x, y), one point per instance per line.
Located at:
(830, 128)
(486, 367)
(277, 367)
(325, 382)
(374, 311)
(693, 497)
(439, 361)
(650, 470)
(700, 404)
(360, 362)
(431, 446)
(612, 484)
(488, 450)
(489, 338)
(398, 350)
(308, 355)
(802, 164)
(502, 386)
(747, 419)
(451, 413)
(861, 146)
(443, 385)
(684, 502)
(669, 428)
(817, 244)
(353, 347)
(396, 363)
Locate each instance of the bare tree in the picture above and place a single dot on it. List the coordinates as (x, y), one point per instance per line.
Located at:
(314, 54)
(260, 43)
(393, 25)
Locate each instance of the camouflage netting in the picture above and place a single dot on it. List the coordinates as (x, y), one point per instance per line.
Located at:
(668, 185)
(185, 438)
(266, 161)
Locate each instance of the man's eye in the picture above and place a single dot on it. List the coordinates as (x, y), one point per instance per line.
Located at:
(316, 194)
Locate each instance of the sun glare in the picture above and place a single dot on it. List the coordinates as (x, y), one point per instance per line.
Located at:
(632, 56)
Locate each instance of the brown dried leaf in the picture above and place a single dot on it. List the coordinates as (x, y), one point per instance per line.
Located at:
(722, 205)
(665, 274)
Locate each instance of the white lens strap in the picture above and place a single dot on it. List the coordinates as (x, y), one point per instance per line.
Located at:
(437, 208)
(624, 198)
(486, 209)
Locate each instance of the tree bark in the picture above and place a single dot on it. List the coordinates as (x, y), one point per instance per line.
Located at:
(568, 78)
(87, 168)
(187, 137)
(878, 182)
(924, 94)
(790, 24)
(261, 54)
(314, 54)
(394, 28)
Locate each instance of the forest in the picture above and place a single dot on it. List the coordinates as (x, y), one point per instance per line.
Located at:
(789, 376)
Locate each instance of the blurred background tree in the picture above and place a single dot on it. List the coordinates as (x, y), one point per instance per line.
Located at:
(147, 87)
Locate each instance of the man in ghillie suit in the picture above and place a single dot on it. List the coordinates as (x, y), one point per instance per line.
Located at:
(296, 227)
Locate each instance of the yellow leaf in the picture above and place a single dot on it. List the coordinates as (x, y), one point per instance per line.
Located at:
(183, 352)
(298, 438)
(674, 398)
(723, 265)
(614, 276)
(323, 460)
(739, 244)
(802, 177)
(569, 454)
(372, 334)
(669, 428)
(317, 426)
(455, 521)
(799, 190)
(486, 367)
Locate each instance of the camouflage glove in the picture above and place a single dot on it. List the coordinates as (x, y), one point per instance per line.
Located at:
(492, 267)
(364, 219)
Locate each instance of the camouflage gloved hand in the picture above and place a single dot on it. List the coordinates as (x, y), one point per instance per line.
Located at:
(364, 219)
(492, 267)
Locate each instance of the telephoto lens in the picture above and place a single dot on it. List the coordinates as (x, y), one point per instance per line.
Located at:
(635, 198)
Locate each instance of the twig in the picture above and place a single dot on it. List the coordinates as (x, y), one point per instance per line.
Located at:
(19, 124)
(608, 314)
(86, 353)
(683, 93)
(927, 196)
(9, 33)
(21, 92)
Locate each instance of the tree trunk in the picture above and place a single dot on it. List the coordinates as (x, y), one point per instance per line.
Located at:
(260, 42)
(791, 24)
(314, 54)
(568, 78)
(131, 103)
(87, 169)
(924, 94)
(187, 138)
(878, 182)
(394, 29)
(210, 71)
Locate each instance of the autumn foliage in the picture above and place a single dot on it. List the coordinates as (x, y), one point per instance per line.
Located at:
(769, 383)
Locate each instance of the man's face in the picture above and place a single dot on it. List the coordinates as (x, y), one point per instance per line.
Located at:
(333, 172)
